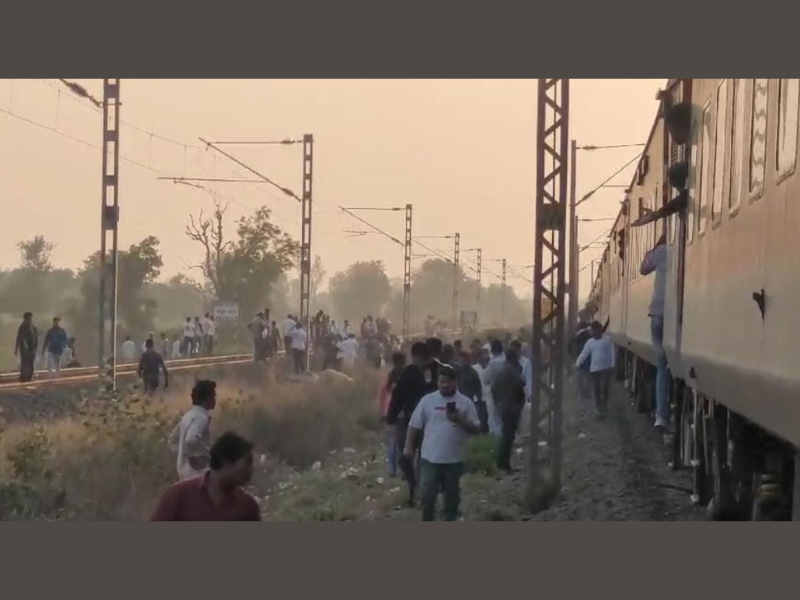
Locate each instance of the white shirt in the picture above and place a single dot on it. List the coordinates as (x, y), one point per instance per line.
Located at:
(191, 438)
(348, 350)
(602, 353)
(176, 348)
(188, 330)
(527, 375)
(486, 389)
(128, 350)
(211, 327)
(443, 442)
(287, 326)
(656, 260)
(299, 338)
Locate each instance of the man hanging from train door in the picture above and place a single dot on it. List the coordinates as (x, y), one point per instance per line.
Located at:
(656, 261)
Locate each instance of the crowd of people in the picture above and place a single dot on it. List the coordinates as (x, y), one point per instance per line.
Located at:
(338, 346)
(445, 393)
(431, 402)
(57, 350)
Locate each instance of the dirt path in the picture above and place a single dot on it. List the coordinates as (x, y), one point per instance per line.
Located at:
(616, 469)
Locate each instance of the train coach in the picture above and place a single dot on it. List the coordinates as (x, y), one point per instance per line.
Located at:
(718, 178)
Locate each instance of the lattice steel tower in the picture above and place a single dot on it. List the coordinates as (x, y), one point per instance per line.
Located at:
(552, 138)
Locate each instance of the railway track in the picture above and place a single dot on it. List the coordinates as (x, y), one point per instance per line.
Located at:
(127, 370)
(8, 381)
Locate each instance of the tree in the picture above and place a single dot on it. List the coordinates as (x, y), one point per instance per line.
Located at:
(139, 266)
(27, 288)
(360, 290)
(242, 270)
(36, 253)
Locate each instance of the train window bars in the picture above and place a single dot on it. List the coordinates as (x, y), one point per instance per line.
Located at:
(758, 137)
(704, 190)
(788, 107)
(720, 146)
(738, 133)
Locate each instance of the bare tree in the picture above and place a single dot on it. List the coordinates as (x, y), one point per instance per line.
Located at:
(208, 231)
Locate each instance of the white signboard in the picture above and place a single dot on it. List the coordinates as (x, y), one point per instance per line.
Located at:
(469, 318)
(227, 311)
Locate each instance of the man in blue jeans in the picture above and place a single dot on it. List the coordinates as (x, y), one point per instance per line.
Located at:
(656, 261)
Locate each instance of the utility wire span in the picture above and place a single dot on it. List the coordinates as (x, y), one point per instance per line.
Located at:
(597, 239)
(285, 190)
(371, 226)
(617, 172)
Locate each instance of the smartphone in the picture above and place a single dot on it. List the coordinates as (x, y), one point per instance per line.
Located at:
(451, 407)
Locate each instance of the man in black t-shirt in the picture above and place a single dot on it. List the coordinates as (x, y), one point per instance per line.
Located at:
(411, 386)
(150, 366)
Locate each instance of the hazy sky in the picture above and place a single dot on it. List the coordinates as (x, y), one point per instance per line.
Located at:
(462, 151)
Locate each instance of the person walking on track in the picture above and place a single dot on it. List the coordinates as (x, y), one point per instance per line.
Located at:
(151, 364)
(55, 342)
(25, 347)
(218, 493)
(444, 419)
(600, 351)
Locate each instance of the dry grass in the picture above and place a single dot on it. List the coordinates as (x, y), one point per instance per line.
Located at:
(111, 461)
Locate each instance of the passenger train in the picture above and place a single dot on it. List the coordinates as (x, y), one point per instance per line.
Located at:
(718, 176)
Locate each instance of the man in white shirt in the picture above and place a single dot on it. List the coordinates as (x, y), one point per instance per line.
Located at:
(128, 349)
(211, 332)
(188, 337)
(445, 419)
(176, 349)
(286, 328)
(348, 351)
(205, 323)
(600, 351)
(656, 261)
(191, 438)
(480, 368)
(298, 338)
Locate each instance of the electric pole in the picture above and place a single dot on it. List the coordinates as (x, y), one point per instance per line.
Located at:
(503, 296)
(574, 250)
(305, 240)
(109, 229)
(407, 273)
(456, 276)
(552, 151)
(478, 293)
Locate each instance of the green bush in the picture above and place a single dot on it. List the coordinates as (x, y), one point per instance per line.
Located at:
(481, 456)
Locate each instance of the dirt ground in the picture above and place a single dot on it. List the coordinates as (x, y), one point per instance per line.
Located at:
(613, 470)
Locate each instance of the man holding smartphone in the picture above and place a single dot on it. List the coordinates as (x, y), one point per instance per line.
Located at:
(445, 419)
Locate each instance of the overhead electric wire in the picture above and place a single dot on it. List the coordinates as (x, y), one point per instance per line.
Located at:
(617, 172)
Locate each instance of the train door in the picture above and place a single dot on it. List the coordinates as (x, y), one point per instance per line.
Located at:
(678, 227)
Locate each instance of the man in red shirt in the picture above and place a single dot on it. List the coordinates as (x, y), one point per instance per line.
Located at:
(218, 494)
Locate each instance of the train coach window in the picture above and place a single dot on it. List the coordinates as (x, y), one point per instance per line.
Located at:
(739, 125)
(720, 140)
(705, 189)
(758, 137)
(788, 106)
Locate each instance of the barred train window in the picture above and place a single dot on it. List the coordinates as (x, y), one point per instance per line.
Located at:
(788, 105)
(721, 122)
(758, 136)
(739, 123)
(705, 170)
(694, 180)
